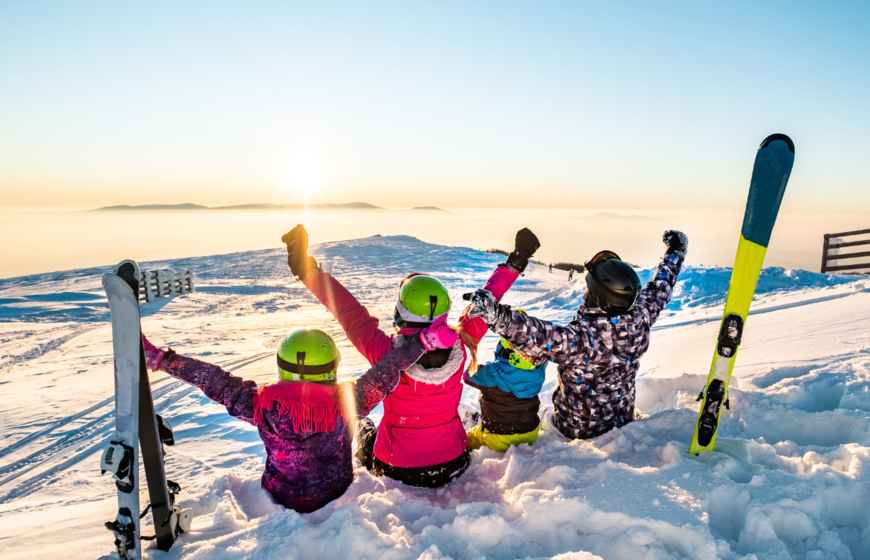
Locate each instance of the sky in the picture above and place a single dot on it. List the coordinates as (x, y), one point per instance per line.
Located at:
(452, 104)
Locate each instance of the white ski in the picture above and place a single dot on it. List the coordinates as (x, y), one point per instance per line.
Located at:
(121, 457)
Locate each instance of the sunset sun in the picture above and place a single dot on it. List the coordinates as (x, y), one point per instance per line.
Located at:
(305, 171)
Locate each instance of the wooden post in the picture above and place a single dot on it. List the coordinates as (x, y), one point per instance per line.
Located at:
(177, 276)
(825, 252)
(146, 286)
(153, 287)
(161, 283)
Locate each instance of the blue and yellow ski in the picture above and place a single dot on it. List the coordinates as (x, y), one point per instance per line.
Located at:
(773, 164)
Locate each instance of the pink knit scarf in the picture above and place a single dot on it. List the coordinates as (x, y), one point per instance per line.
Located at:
(311, 406)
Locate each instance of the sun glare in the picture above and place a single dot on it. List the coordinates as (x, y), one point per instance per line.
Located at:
(305, 172)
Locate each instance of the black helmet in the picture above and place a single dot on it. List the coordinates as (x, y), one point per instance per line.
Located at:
(612, 285)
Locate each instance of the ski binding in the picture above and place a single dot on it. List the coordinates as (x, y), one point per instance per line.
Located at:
(124, 529)
(164, 430)
(729, 335)
(118, 460)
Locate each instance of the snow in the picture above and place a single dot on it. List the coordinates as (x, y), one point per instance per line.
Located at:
(789, 478)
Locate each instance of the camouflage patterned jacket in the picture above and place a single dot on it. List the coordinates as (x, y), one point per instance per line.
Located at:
(597, 356)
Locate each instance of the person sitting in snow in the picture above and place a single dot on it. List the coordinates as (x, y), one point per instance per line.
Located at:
(598, 351)
(420, 440)
(305, 418)
(509, 401)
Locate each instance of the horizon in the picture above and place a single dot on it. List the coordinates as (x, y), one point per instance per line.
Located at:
(53, 241)
(623, 210)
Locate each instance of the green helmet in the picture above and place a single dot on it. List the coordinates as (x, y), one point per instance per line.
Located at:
(422, 299)
(308, 355)
(505, 351)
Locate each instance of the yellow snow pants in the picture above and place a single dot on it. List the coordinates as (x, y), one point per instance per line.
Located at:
(479, 436)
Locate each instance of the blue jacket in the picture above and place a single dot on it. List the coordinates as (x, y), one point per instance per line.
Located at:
(508, 396)
(524, 383)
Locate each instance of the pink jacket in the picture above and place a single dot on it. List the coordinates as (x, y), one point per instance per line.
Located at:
(420, 427)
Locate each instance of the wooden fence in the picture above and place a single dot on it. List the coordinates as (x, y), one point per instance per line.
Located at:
(166, 282)
(831, 252)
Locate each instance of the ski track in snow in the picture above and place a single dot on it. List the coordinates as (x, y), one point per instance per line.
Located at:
(788, 478)
(61, 452)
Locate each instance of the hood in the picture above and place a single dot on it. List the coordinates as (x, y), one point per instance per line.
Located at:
(437, 376)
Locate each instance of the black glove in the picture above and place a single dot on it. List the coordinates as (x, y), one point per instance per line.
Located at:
(677, 243)
(484, 305)
(297, 252)
(525, 245)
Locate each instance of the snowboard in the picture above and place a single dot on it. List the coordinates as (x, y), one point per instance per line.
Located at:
(136, 425)
(773, 164)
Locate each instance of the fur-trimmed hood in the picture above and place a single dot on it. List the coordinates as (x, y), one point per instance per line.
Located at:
(437, 376)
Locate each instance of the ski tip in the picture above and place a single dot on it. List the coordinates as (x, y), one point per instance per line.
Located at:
(128, 270)
(777, 136)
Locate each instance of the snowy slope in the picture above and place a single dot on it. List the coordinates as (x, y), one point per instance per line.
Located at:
(789, 478)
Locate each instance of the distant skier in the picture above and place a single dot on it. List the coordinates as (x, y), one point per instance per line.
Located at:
(421, 440)
(509, 400)
(551, 268)
(571, 274)
(305, 419)
(598, 351)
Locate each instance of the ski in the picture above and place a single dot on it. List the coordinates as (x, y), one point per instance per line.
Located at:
(161, 500)
(773, 164)
(121, 456)
(137, 427)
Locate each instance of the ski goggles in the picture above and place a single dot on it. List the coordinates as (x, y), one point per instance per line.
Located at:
(301, 372)
(599, 258)
(516, 358)
(415, 321)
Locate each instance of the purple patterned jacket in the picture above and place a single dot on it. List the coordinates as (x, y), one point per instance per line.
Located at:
(597, 356)
(305, 470)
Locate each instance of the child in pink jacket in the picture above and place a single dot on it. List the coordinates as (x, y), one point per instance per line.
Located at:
(421, 440)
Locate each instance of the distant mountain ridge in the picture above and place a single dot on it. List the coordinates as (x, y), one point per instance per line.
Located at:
(187, 206)
(261, 206)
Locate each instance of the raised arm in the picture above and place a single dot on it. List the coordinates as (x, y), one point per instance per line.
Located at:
(525, 245)
(544, 340)
(361, 328)
(498, 284)
(657, 293)
(235, 393)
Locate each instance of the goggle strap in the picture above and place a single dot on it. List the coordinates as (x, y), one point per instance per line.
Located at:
(304, 370)
(402, 324)
(503, 352)
(412, 318)
(433, 303)
(591, 265)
